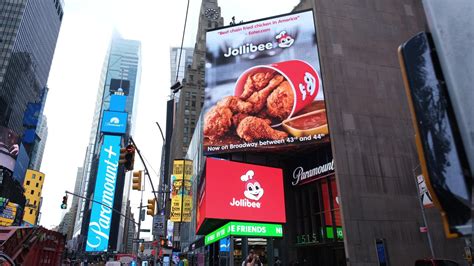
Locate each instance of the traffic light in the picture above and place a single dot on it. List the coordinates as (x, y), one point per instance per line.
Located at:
(137, 180)
(64, 204)
(127, 157)
(151, 207)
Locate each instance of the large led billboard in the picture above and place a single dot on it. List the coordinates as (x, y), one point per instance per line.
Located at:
(101, 214)
(241, 192)
(114, 122)
(9, 148)
(263, 86)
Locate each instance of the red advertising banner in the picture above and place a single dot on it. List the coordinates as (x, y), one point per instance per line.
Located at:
(241, 192)
(263, 86)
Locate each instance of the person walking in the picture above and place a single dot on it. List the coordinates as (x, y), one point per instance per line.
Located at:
(252, 259)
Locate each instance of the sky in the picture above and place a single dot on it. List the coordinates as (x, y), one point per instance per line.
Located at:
(74, 79)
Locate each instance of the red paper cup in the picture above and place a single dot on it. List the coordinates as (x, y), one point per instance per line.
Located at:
(304, 80)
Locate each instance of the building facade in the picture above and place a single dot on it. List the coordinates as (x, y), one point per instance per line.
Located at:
(186, 61)
(188, 104)
(366, 210)
(33, 187)
(38, 151)
(120, 76)
(29, 33)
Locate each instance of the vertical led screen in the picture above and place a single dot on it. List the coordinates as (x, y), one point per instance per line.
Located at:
(101, 215)
(263, 86)
(181, 194)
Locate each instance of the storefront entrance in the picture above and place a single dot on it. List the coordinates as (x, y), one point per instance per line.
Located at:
(321, 255)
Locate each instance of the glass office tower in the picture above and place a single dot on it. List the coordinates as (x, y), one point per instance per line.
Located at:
(120, 75)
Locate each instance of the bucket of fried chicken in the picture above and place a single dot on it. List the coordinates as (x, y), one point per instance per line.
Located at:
(264, 97)
(280, 90)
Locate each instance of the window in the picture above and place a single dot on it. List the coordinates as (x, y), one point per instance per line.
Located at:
(32, 192)
(37, 184)
(34, 203)
(39, 193)
(193, 103)
(31, 211)
(28, 182)
(33, 176)
(40, 178)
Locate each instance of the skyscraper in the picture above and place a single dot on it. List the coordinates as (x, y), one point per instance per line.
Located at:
(191, 96)
(38, 151)
(190, 100)
(120, 76)
(186, 60)
(28, 34)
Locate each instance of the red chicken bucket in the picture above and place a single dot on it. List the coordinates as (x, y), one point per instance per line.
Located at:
(303, 84)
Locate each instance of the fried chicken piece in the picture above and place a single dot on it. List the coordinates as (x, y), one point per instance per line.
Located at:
(253, 128)
(259, 98)
(281, 100)
(256, 82)
(237, 118)
(217, 122)
(235, 104)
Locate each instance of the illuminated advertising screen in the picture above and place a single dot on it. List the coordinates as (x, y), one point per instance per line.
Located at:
(263, 86)
(117, 103)
(181, 193)
(242, 192)
(101, 216)
(114, 122)
(21, 165)
(244, 229)
(9, 148)
(119, 85)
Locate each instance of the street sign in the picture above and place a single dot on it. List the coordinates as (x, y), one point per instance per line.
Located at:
(158, 228)
(145, 230)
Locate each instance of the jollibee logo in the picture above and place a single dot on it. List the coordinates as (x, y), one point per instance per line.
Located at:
(284, 40)
(309, 86)
(253, 191)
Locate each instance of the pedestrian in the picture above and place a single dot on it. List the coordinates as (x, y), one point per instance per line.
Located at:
(252, 259)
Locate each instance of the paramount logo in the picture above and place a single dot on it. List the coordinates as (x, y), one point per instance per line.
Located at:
(300, 175)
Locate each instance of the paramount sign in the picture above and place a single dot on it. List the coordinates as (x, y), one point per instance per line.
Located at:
(101, 214)
(302, 176)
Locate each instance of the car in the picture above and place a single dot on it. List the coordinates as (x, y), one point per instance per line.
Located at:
(435, 262)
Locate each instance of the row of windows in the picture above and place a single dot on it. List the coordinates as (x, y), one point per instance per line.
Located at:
(37, 184)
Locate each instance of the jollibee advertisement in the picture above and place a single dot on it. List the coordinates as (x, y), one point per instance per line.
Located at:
(241, 192)
(263, 86)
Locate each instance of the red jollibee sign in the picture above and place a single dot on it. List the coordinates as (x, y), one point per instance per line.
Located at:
(240, 191)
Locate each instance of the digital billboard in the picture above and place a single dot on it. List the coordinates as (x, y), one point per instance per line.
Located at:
(263, 86)
(242, 192)
(21, 165)
(117, 103)
(244, 229)
(119, 85)
(9, 148)
(114, 122)
(101, 216)
(181, 193)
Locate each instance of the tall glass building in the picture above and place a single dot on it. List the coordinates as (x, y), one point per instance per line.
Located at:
(120, 75)
(28, 34)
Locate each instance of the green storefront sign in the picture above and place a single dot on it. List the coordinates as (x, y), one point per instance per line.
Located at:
(244, 229)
